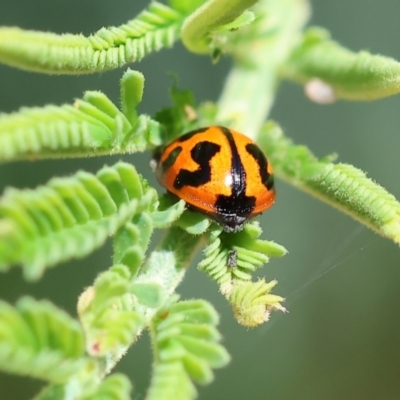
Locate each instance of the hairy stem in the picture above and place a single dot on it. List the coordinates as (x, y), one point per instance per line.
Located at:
(250, 88)
(165, 266)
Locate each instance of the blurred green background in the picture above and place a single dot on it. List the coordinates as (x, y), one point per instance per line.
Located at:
(341, 337)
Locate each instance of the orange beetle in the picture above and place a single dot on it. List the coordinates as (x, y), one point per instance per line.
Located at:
(218, 172)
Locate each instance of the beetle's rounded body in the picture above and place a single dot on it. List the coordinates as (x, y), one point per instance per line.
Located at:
(219, 172)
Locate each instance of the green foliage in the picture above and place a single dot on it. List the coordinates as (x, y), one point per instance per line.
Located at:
(91, 126)
(148, 294)
(260, 52)
(108, 48)
(186, 348)
(252, 302)
(169, 211)
(180, 117)
(194, 223)
(131, 241)
(114, 387)
(185, 6)
(213, 15)
(341, 185)
(247, 251)
(106, 313)
(70, 217)
(230, 259)
(51, 392)
(39, 340)
(172, 211)
(351, 76)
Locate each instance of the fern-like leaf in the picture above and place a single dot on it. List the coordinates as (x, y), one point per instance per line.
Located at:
(106, 313)
(230, 260)
(186, 348)
(169, 210)
(348, 75)
(69, 217)
(340, 185)
(253, 302)
(51, 392)
(234, 257)
(114, 387)
(131, 242)
(92, 126)
(48, 131)
(193, 222)
(39, 340)
(108, 48)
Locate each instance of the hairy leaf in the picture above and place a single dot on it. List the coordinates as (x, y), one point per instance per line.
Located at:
(340, 185)
(169, 210)
(108, 48)
(186, 348)
(180, 117)
(69, 217)
(193, 222)
(149, 294)
(113, 387)
(107, 315)
(51, 392)
(252, 302)
(131, 242)
(185, 6)
(39, 340)
(230, 260)
(350, 75)
(92, 126)
(170, 381)
(231, 257)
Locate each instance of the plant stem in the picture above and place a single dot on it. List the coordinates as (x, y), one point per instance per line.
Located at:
(249, 90)
(165, 266)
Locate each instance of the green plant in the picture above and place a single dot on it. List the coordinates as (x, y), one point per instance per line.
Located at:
(70, 217)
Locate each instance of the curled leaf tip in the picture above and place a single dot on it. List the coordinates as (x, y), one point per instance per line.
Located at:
(350, 75)
(214, 16)
(252, 302)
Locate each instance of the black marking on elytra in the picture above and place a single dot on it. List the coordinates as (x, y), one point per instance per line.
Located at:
(237, 170)
(235, 209)
(190, 134)
(270, 182)
(201, 153)
(267, 179)
(171, 159)
(174, 154)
